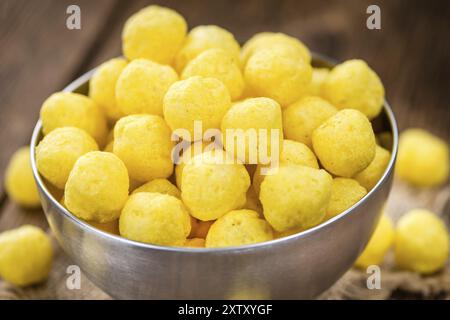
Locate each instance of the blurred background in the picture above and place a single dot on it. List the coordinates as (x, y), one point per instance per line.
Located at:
(39, 55)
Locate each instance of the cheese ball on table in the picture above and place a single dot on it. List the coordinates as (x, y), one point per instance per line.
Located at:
(252, 124)
(344, 194)
(354, 85)
(142, 85)
(19, 181)
(26, 255)
(196, 99)
(155, 218)
(144, 145)
(211, 186)
(301, 118)
(154, 33)
(202, 38)
(278, 74)
(293, 152)
(59, 150)
(266, 40)
(102, 87)
(97, 187)
(379, 244)
(369, 177)
(67, 109)
(421, 242)
(237, 228)
(159, 186)
(345, 143)
(422, 159)
(219, 64)
(295, 196)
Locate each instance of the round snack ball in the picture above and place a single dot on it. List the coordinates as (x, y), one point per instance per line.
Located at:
(344, 194)
(59, 150)
(202, 38)
(421, 242)
(293, 152)
(154, 33)
(195, 243)
(212, 186)
(163, 186)
(378, 245)
(142, 85)
(143, 143)
(109, 227)
(243, 123)
(422, 158)
(354, 85)
(295, 196)
(26, 255)
(345, 143)
(155, 218)
(68, 109)
(219, 64)
(237, 228)
(196, 99)
(201, 228)
(102, 87)
(265, 40)
(19, 181)
(319, 75)
(97, 187)
(278, 74)
(369, 177)
(301, 118)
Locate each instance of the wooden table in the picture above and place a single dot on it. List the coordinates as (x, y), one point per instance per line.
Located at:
(39, 56)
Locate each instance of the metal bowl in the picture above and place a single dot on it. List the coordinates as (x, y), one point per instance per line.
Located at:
(300, 266)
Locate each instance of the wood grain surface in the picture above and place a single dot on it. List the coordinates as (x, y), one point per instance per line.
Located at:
(39, 56)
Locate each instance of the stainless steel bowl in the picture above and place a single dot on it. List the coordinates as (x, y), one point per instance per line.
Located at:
(300, 266)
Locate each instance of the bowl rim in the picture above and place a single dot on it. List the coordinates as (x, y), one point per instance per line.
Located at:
(83, 79)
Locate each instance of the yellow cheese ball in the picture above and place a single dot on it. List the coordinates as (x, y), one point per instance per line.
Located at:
(353, 84)
(67, 109)
(194, 149)
(155, 218)
(295, 196)
(196, 99)
(163, 186)
(301, 118)
(422, 158)
(19, 181)
(378, 245)
(143, 143)
(97, 187)
(26, 255)
(265, 40)
(421, 242)
(219, 64)
(57, 152)
(142, 85)
(212, 186)
(344, 194)
(237, 228)
(109, 227)
(279, 75)
(202, 38)
(201, 229)
(102, 87)
(154, 33)
(319, 75)
(345, 143)
(369, 177)
(250, 124)
(195, 243)
(293, 152)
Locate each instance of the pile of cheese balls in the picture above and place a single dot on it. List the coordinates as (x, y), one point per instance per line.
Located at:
(108, 156)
